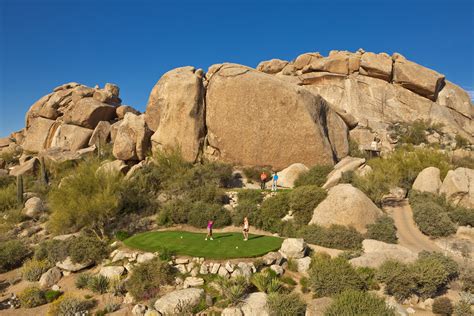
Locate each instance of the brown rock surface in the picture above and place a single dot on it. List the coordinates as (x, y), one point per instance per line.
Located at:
(133, 138)
(421, 80)
(177, 117)
(376, 65)
(101, 134)
(256, 119)
(37, 134)
(88, 112)
(348, 206)
(272, 66)
(70, 137)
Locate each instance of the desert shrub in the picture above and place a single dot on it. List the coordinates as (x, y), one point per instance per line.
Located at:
(117, 287)
(267, 281)
(82, 280)
(463, 308)
(52, 250)
(399, 169)
(328, 277)
(201, 212)
(68, 305)
(272, 211)
(245, 209)
(354, 150)
(442, 306)
(121, 235)
(233, 290)
(12, 254)
(303, 201)
(98, 284)
(315, 176)
(304, 282)
(253, 196)
(383, 229)
(8, 197)
(461, 215)
(280, 304)
(85, 199)
(461, 142)
(174, 212)
(32, 296)
(432, 219)
(146, 278)
(52, 295)
(368, 277)
(413, 133)
(398, 278)
(466, 278)
(33, 269)
(334, 236)
(353, 302)
(84, 249)
(449, 265)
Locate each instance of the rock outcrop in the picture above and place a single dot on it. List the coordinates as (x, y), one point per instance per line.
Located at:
(377, 252)
(254, 118)
(132, 140)
(175, 111)
(348, 206)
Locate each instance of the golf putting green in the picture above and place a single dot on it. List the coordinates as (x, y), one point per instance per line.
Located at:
(224, 245)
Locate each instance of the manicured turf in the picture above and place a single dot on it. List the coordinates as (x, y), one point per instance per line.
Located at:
(224, 245)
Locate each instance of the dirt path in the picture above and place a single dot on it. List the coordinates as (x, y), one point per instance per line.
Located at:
(408, 233)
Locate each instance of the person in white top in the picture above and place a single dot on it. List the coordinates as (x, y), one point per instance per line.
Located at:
(246, 228)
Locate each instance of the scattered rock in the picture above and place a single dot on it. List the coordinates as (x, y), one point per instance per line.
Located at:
(30, 167)
(116, 166)
(50, 277)
(303, 264)
(193, 282)
(377, 252)
(68, 265)
(139, 310)
(33, 207)
(255, 304)
(277, 269)
(293, 248)
(458, 187)
(232, 311)
(143, 257)
(112, 272)
(169, 303)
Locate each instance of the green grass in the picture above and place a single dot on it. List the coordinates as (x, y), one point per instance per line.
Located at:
(224, 245)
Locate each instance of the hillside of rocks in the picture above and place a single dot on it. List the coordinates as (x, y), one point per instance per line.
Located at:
(280, 113)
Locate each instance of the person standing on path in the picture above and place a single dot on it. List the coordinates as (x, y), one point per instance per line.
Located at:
(275, 181)
(246, 228)
(263, 180)
(209, 230)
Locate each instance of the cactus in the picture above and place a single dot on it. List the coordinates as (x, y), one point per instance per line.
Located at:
(43, 172)
(19, 189)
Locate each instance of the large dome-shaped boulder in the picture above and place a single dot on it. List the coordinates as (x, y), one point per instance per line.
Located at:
(428, 180)
(458, 187)
(257, 119)
(175, 111)
(348, 206)
(288, 176)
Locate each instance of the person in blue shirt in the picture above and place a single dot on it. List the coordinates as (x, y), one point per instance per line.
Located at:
(275, 181)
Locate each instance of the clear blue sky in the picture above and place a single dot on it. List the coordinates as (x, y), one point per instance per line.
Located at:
(44, 43)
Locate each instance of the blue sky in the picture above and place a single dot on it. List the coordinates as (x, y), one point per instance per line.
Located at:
(44, 43)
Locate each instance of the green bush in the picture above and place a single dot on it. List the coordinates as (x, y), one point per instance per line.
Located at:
(461, 142)
(82, 280)
(315, 176)
(174, 212)
(461, 215)
(267, 281)
(432, 219)
(353, 302)
(12, 254)
(328, 277)
(449, 265)
(98, 284)
(233, 290)
(247, 209)
(146, 279)
(399, 169)
(52, 250)
(52, 295)
(303, 201)
(85, 199)
(272, 211)
(280, 304)
(304, 282)
(121, 235)
(442, 306)
(463, 308)
(466, 278)
(334, 236)
(383, 229)
(8, 198)
(368, 277)
(33, 269)
(413, 133)
(31, 296)
(201, 213)
(398, 278)
(253, 196)
(85, 249)
(68, 305)
(253, 173)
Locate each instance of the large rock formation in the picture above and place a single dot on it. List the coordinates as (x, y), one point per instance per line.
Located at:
(256, 119)
(458, 187)
(175, 111)
(133, 138)
(348, 206)
(428, 180)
